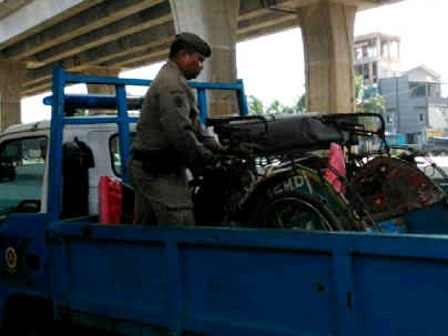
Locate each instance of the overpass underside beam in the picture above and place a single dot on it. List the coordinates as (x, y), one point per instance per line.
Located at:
(216, 22)
(328, 33)
(11, 77)
(137, 38)
(131, 33)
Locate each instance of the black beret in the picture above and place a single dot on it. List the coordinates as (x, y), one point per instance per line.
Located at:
(196, 42)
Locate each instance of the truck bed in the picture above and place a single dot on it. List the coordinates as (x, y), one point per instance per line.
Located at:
(254, 282)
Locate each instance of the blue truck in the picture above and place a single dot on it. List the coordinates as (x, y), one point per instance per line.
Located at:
(60, 267)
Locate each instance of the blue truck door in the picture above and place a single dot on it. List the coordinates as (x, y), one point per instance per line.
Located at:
(23, 250)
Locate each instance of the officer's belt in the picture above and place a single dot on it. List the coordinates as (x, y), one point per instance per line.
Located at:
(158, 161)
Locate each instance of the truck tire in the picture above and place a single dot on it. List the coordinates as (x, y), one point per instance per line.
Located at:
(298, 212)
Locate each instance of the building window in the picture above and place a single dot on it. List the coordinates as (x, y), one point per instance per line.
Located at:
(417, 89)
(371, 51)
(358, 53)
(412, 138)
(434, 90)
(384, 49)
(394, 49)
(375, 71)
(365, 71)
(421, 117)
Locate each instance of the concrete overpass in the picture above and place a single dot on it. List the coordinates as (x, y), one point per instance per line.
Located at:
(102, 37)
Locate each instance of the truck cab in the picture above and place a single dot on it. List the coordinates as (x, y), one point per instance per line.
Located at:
(24, 151)
(23, 156)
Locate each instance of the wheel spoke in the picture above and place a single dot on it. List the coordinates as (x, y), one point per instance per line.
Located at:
(296, 213)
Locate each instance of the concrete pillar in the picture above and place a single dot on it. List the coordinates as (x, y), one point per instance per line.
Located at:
(216, 22)
(12, 74)
(99, 88)
(101, 72)
(328, 30)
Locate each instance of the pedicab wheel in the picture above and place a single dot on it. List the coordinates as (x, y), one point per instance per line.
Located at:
(298, 212)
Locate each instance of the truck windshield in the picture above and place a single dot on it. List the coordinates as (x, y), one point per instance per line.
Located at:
(22, 164)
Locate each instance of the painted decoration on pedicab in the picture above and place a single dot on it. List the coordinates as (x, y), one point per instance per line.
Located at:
(392, 187)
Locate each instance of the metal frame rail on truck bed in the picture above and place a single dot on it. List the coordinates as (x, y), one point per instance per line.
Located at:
(140, 280)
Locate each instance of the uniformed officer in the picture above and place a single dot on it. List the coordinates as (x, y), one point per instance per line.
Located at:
(170, 138)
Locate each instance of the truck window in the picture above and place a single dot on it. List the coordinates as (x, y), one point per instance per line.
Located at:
(114, 148)
(22, 164)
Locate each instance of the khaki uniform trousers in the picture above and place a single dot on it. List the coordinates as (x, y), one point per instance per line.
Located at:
(161, 199)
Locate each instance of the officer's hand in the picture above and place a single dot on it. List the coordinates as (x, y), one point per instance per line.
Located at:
(221, 148)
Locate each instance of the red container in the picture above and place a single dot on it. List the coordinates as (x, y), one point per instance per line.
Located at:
(109, 200)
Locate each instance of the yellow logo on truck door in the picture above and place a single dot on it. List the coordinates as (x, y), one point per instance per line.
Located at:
(11, 258)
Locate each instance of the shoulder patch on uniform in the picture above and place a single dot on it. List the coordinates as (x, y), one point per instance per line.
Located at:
(178, 101)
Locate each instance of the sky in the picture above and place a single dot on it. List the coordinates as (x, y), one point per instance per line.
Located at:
(272, 66)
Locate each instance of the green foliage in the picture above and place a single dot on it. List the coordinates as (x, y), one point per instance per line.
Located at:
(275, 108)
(367, 98)
(256, 107)
(301, 104)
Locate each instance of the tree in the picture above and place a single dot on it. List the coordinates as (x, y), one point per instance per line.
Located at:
(255, 106)
(301, 104)
(367, 98)
(275, 108)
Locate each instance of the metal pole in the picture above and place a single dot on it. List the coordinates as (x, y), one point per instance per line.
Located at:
(124, 134)
(241, 96)
(397, 105)
(54, 194)
(202, 102)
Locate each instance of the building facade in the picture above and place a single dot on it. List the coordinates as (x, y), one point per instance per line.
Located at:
(415, 104)
(377, 56)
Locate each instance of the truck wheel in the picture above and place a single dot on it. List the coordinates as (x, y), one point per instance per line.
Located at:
(298, 212)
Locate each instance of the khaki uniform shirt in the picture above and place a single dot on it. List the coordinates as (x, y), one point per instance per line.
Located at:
(169, 121)
(169, 117)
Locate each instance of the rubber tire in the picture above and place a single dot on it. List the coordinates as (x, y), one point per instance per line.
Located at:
(265, 212)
